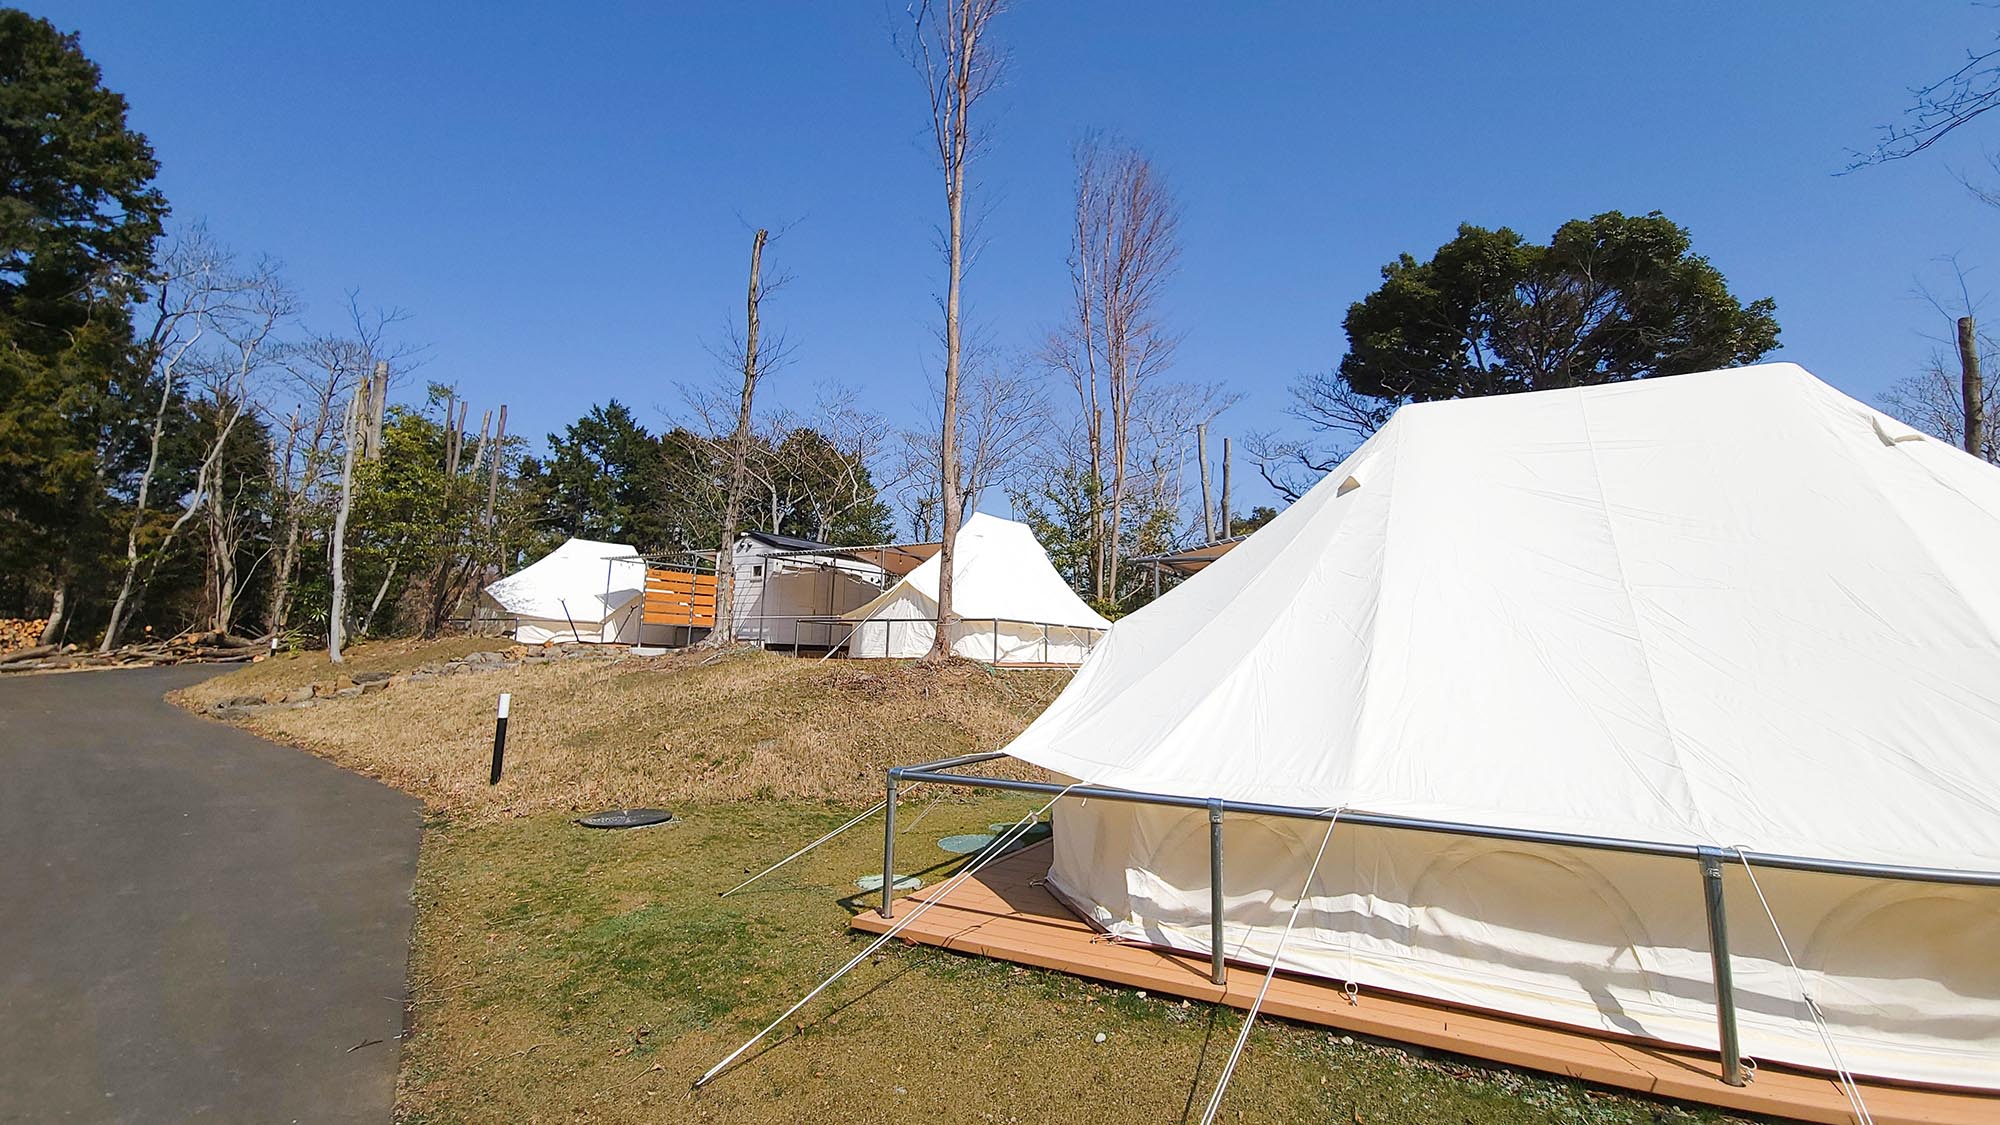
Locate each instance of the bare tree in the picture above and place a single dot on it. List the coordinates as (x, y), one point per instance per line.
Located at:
(724, 631)
(1002, 421)
(355, 425)
(1946, 398)
(851, 470)
(1124, 247)
(959, 67)
(324, 370)
(240, 312)
(193, 279)
(1939, 108)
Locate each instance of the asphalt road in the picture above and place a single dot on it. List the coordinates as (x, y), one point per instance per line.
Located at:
(194, 923)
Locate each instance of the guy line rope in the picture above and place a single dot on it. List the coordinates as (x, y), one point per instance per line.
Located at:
(1250, 1017)
(993, 850)
(871, 811)
(1848, 1085)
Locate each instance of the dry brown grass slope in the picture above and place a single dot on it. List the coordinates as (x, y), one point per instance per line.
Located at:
(590, 734)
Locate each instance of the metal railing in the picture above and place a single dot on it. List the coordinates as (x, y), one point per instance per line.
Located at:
(1087, 636)
(1709, 860)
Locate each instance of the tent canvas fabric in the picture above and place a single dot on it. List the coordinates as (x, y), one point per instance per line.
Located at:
(583, 591)
(1726, 608)
(1012, 605)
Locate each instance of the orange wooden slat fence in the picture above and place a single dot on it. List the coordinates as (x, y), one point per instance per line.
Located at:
(677, 597)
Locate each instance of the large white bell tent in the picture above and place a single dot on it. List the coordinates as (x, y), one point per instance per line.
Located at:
(1731, 617)
(1012, 606)
(582, 591)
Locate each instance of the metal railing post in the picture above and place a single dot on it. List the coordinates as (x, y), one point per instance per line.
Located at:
(996, 642)
(1217, 972)
(1718, 953)
(889, 845)
(1045, 644)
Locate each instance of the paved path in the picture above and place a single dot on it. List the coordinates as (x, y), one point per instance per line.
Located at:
(194, 923)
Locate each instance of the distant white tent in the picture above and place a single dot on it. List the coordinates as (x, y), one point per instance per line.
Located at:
(581, 591)
(1716, 610)
(1012, 606)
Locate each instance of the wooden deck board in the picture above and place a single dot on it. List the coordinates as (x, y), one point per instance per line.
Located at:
(1003, 913)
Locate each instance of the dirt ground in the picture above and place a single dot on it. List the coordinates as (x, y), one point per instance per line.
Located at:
(594, 733)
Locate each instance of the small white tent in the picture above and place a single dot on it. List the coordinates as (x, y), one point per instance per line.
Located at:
(1012, 606)
(1726, 609)
(581, 591)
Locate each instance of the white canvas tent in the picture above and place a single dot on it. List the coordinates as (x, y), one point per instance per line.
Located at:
(1725, 609)
(581, 591)
(1013, 607)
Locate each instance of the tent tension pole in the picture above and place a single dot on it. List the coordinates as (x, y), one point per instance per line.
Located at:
(1718, 953)
(889, 845)
(1218, 971)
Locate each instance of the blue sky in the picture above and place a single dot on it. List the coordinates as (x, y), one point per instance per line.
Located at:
(559, 200)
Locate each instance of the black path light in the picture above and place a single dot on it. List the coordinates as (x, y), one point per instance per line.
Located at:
(500, 737)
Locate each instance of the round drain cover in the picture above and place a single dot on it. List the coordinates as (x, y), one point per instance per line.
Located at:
(626, 818)
(966, 844)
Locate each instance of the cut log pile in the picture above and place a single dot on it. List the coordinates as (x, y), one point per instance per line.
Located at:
(20, 632)
(187, 648)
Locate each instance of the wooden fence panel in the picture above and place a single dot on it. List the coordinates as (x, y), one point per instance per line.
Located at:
(678, 597)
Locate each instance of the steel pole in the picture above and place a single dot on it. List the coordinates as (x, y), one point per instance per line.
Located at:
(1218, 971)
(889, 845)
(1718, 953)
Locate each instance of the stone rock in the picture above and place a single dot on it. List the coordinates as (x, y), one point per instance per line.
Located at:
(240, 701)
(229, 714)
(275, 695)
(342, 682)
(420, 677)
(299, 694)
(373, 686)
(370, 677)
(347, 692)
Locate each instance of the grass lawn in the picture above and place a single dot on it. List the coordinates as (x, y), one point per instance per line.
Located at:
(564, 973)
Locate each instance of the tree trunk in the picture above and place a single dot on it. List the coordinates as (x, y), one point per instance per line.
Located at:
(1201, 455)
(1224, 521)
(1972, 387)
(58, 611)
(336, 626)
(368, 622)
(724, 631)
(119, 607)
(948, 443)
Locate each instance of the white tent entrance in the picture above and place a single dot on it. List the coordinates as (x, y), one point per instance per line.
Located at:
(1572, 666)
(1011, 605)
(583, 591)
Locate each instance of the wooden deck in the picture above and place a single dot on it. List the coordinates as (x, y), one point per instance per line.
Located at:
(1002, 913)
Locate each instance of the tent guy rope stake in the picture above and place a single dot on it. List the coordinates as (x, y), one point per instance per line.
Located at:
(992, 852)
(1250, 1017)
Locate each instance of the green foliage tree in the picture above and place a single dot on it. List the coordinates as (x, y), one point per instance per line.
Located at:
(604, 478)
(1609, 298)
(78, 219)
